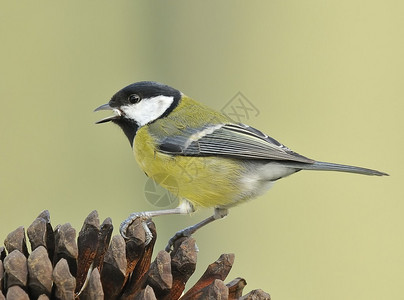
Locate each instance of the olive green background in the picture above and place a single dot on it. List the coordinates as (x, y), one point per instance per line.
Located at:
(326, 77)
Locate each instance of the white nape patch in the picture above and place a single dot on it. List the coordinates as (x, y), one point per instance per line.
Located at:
(198, 135)
(148, 109)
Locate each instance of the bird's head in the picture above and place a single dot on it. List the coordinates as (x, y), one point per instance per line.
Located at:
(139, 104)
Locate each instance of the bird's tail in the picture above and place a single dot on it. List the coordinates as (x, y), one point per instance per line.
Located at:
(325, 166)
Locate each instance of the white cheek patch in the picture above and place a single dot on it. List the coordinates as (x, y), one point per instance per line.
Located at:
(147, 110)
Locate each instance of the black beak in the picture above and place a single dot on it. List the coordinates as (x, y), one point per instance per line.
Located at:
(117, 113)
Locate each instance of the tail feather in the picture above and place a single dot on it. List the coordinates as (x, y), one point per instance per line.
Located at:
(325, 166)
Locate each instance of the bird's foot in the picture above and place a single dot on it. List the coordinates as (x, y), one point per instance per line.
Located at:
(186, 232)
(144, 217)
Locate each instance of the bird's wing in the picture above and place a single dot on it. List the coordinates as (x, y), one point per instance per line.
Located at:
(229, 140)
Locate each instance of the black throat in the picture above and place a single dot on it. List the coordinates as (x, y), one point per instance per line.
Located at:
(129, 127)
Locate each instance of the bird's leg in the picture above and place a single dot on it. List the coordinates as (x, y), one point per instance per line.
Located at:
(184, 208)
(186, 232)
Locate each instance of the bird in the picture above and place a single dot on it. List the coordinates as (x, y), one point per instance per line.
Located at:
(231, 162)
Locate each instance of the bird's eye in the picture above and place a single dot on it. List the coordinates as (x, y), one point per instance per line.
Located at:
(134, 98)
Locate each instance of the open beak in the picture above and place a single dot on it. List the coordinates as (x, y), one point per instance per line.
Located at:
(117, 114)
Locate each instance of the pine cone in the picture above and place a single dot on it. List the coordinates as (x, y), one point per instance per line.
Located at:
(98, 267)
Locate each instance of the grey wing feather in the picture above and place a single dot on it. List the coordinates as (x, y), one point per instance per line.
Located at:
(230, 140)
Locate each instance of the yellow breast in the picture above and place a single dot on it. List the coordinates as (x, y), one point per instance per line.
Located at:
(204, 181)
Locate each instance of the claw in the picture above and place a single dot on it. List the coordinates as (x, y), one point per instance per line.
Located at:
(186, 232)
(148, 234)
(132, 217)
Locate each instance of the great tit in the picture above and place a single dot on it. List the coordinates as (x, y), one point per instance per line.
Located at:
(229, 162)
